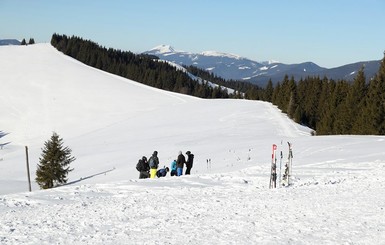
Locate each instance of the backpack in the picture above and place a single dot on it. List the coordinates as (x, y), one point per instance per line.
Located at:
(139, 165)
(152, 163)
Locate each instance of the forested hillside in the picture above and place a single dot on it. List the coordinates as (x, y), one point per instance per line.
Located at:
(326, 105)
(141, 68)
(335, 107)
(250, 91)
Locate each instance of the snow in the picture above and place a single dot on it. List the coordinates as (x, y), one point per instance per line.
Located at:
(244, 68)
(221, 54)
(110, 122)
(269, 62)
(274, 66)
(263, 68)
(200, 80)
(163, 49)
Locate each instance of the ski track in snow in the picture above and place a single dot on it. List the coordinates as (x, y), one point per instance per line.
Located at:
(284, 126)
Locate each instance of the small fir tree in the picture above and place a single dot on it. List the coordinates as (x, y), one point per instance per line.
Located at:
(54, 163)
(31, 41)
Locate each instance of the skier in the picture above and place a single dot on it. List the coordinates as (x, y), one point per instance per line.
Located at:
(162, 172)
(181, 160)
(189, 163)
(173, 168)
(153, 162)
(143, 168)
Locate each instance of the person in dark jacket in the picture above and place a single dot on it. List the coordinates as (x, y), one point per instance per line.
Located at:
(189, 163)
(143, 168)
(153, 162)
(180, 161)
(162, 172)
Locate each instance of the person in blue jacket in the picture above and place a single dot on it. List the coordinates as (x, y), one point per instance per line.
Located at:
(162, 172)
(173, 168)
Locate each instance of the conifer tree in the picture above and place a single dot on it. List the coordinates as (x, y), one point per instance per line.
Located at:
(326, 108)
(54, 163)
(23, 42)
(31, 41)
(381, 80)
(269, 91)
(355, 102)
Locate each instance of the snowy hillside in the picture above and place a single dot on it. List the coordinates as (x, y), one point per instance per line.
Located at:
(110, 122)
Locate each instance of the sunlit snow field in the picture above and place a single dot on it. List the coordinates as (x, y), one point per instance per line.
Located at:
(337, 194)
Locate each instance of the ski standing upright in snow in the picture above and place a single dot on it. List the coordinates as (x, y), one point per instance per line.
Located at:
(273, 175)
(288, 166)
(280, 166)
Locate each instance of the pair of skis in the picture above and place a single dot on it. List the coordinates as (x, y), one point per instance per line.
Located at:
(273, 175)
(288, 166)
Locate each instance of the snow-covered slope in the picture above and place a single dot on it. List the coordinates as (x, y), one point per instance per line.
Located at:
(110, 122)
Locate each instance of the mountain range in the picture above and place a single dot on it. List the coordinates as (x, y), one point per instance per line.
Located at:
(230, 66)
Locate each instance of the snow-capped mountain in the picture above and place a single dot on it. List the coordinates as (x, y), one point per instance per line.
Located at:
(231, 66)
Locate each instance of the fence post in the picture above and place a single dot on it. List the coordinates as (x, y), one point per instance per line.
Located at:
(29, 178)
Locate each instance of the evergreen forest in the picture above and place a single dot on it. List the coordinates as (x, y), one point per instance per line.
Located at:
(329, 107)
(141, 68)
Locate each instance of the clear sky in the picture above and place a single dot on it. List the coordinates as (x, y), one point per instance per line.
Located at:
(328, 32)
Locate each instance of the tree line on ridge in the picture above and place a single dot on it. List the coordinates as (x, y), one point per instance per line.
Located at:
(329, 107)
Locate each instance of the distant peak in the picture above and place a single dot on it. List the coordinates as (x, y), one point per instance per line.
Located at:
(220, 54)
(161, 49)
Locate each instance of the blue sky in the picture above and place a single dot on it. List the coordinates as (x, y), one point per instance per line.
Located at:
(328, 32)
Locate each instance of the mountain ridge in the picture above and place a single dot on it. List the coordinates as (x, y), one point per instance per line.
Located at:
(4, 42)
(235, 67)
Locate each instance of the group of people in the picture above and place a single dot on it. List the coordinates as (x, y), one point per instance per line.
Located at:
(149, 168)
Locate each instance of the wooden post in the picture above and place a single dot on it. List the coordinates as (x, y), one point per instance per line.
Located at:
(29, 178)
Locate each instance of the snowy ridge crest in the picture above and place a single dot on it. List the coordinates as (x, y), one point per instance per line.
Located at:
(221, 54)
(163, 49)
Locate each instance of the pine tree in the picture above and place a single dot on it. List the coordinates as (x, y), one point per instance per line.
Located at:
(23, 42)
(355, 100)
(269, 91)
(54, 163)
(31, 41)
(327, 110)
(381, 80)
